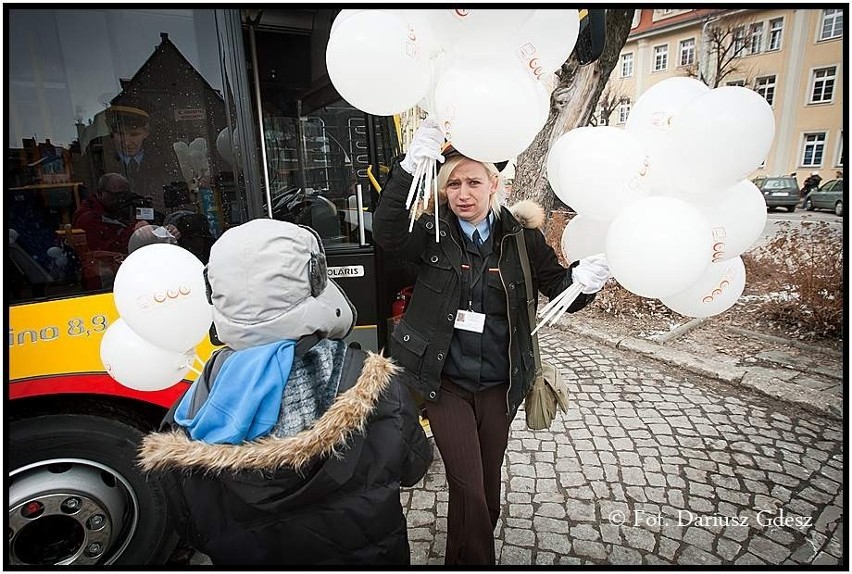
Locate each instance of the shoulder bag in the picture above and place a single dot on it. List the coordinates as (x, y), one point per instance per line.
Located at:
(548, 392)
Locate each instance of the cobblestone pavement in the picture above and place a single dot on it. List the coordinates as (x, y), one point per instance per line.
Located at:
(654, 465)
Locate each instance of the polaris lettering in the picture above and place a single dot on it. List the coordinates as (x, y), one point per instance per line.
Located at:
(350, 271)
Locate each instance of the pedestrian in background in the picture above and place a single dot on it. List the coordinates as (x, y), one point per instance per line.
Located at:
(465, 337)
(811, 183)
(291, 447)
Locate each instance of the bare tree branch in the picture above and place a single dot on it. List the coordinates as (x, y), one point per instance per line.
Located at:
(726, 43)
(609, 101)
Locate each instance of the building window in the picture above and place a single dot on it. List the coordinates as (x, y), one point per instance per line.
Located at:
(776, 30)
(626, 65)
(661, 58)
(740, 83)
(756, 38)
(623, 110)
(687, 52)
(832, 24)
(765, 86)
(822, 90)
(839, 162)
(814, 147)
(739, 40)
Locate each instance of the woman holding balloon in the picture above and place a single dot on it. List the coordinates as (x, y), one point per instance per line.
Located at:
(465, 339)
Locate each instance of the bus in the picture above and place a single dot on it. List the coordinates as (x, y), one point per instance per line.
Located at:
(214, 117)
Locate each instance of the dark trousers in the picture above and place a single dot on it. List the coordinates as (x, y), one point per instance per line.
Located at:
(471, 431)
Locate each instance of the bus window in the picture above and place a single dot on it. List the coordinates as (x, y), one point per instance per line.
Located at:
(318, 147)
(139, 94)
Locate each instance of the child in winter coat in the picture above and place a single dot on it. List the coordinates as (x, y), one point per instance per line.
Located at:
(291, 447)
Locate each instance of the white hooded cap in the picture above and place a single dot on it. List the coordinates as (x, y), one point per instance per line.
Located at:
(268, 282)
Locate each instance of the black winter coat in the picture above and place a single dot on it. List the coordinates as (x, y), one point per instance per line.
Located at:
(422, 338)
(328, 495)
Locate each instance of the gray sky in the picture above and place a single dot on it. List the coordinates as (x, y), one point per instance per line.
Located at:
(65, 65)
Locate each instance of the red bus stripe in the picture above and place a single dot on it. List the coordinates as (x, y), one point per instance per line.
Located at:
(91, 383)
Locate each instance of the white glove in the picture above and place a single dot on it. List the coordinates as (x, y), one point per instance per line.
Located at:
(592, 272)
(427, 143)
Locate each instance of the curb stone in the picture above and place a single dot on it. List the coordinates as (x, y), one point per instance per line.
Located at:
(774, 383)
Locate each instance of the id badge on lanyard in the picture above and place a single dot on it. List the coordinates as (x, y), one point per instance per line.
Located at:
(470, 321)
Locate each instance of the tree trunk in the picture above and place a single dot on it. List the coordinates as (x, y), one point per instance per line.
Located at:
(571, 105)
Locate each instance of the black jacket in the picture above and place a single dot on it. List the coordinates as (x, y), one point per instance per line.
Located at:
(422, 338)
(328, 495)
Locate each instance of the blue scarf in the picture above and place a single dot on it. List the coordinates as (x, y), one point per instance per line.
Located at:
(245, 398)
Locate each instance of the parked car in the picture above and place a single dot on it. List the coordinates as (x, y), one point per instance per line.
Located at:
(779, 192)
(828, 196)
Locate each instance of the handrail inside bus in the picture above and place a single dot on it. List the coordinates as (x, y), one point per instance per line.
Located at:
(373, 181)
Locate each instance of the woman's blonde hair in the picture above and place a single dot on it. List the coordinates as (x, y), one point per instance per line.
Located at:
(453, 162)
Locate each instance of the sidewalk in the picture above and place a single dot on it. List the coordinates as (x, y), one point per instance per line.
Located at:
(785, 369)
(663, 458)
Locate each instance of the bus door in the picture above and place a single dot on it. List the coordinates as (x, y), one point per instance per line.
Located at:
(318, 155)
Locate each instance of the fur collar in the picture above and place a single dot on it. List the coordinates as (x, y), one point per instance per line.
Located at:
(347, 415)
(528, 213)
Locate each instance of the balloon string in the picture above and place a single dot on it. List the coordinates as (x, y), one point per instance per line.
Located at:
(558, 306)
(435, 192)
(189, 364)
(418, 174)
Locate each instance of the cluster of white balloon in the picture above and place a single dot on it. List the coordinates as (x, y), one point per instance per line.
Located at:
(482, 74)
(193, 158)
(665, 198)
(161, 298)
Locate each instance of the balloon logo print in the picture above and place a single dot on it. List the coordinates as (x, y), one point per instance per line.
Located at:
(723, 284)
(529, 56)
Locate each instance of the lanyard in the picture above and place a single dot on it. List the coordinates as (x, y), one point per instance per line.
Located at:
(470, 278)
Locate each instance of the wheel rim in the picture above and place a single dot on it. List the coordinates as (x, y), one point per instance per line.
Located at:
(838, 209)
(69, 512)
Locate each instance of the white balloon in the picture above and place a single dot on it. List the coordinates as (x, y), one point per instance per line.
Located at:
(490, 109)
(659, 246)
(553, 164)
(584, 236)
(378, 63)
(160, 292)
(714, 292)
(546, 40)
(139, 364)
(225, 146)
(655, 108)
(341, 16)
(601, 170)
(182, 153)
(719, 138)
(438, 65)
(650, 120)
(737, 216)
(476, 31)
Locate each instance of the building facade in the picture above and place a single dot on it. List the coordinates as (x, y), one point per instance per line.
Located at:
(792, 57)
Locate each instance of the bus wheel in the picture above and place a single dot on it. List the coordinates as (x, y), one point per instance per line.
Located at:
(76, 498)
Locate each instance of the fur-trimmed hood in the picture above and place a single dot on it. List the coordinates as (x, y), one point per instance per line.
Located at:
(347, 415)
(528, 213)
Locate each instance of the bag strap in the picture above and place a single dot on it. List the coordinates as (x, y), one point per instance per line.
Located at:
(531, 297)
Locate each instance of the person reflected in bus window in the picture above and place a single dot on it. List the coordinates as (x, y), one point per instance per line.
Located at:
(135, 152)
(109, 216)
(465, 338)
(291, 446)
